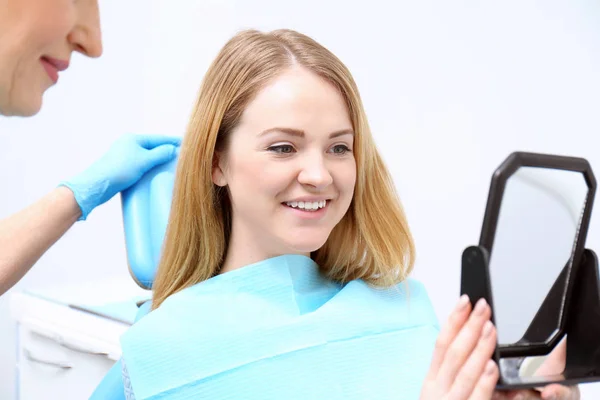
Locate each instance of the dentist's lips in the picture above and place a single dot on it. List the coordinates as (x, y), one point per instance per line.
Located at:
(53, 66)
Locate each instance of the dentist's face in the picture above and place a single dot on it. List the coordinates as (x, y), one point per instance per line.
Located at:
(289, 165)
(37, 38)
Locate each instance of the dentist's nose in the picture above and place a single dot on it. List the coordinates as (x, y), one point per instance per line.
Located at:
(314, 172)
(86, 35)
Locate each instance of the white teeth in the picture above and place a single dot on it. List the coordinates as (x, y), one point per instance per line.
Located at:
(307, 205)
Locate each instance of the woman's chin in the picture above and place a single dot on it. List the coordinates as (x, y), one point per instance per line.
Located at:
(308, 245)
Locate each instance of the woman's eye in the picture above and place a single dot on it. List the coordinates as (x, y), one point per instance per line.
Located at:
(282, 149)
(340, 149)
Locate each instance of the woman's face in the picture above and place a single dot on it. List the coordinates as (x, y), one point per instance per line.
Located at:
(37, 38)
(289, 166)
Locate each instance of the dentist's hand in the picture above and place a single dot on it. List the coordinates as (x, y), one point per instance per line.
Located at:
(462, 368)
(128, 159)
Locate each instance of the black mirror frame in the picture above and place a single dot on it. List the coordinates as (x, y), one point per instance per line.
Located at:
(579, 304)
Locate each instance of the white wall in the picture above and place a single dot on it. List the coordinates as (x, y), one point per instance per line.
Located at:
(451, 88)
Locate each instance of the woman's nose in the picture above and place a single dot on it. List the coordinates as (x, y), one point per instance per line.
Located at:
(314, 172)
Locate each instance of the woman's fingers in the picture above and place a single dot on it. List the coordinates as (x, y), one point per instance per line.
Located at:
(516, 395)
(555, 361)
(484, 388)
(447, 334)
(463, 345)
(461, 368)
(560, 392)
(471, 372)
(555, 364)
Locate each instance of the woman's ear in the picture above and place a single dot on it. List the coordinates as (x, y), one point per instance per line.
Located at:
(218, 175)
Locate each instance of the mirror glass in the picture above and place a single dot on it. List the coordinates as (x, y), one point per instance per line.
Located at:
(537, 227)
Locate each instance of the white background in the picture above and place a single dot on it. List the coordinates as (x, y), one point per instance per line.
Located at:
(450, 88)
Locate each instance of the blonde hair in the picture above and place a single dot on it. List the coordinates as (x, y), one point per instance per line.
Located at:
(372, 242)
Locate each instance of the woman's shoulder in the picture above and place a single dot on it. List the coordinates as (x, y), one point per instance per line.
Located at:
(414, 289)
(415, 304)
(408, 301)
(417, 294)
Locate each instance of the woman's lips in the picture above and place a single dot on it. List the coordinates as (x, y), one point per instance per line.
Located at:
(305, 214)
(53, 66)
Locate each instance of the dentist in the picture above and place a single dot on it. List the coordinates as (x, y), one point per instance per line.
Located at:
(37, 39)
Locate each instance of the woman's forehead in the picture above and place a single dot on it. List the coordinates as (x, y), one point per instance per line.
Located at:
(297, 98)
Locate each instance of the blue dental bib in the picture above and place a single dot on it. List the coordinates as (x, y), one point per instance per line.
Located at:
(278, 329)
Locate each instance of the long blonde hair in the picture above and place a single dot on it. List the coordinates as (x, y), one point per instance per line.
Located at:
(372, 241)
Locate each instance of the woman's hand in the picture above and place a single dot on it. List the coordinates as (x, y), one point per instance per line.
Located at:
(462, 368)
(554, 364)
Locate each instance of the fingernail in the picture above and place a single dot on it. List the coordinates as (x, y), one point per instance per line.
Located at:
(463, 301)
(490, 367)
(480, 307)
(487, 329)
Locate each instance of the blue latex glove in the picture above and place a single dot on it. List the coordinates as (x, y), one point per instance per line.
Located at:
(128, 159)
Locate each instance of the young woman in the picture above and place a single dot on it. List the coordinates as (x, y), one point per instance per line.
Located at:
(285, 268)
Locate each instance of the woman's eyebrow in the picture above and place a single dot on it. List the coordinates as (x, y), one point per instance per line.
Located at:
(341, 133)
(300, 133)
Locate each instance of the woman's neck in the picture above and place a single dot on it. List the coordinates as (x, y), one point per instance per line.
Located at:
(247, 247)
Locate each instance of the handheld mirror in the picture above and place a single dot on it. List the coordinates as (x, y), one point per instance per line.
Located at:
(532, 268)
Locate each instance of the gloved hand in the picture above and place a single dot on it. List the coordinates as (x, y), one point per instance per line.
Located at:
(128, 159)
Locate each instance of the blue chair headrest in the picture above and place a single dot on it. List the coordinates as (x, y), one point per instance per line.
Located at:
(146, 206)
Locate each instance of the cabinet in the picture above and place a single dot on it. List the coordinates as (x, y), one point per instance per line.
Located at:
(65, 349)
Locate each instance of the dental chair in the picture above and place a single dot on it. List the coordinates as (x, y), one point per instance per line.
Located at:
(146, 206)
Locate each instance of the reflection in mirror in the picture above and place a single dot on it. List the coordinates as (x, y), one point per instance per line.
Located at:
(536, 231)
